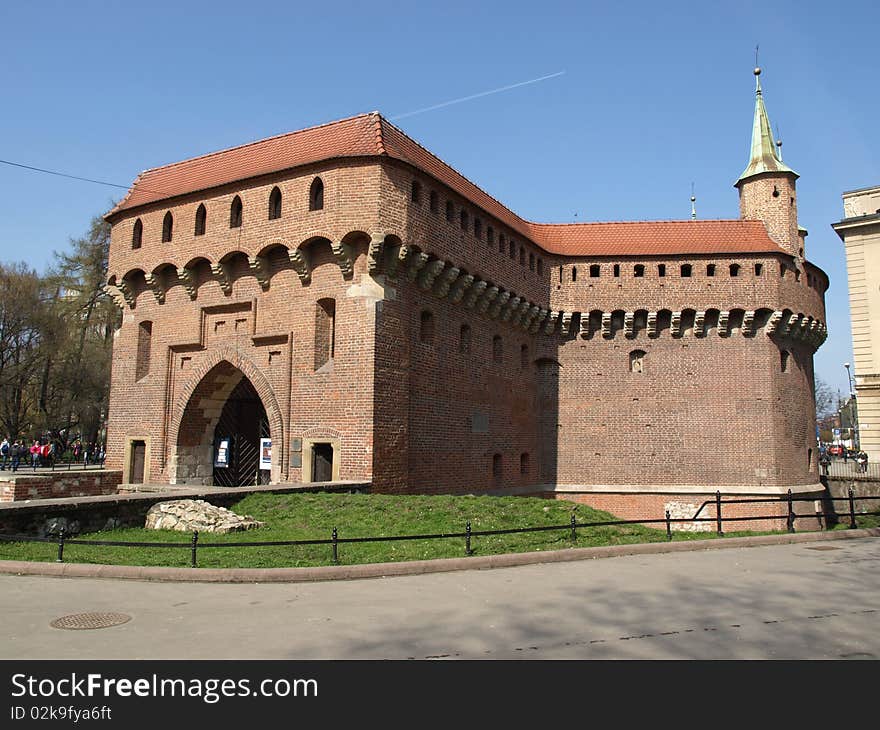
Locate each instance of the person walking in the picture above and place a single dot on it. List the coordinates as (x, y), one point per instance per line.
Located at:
(825, 461)
(35, 453)
(4, 453)
(862, 461)
(16, 451)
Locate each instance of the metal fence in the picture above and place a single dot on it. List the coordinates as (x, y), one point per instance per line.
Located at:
(850, 469)
(27, 466)
(468, 535)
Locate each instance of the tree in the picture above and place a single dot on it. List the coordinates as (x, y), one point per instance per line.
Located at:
(75, 380)
(826, 399)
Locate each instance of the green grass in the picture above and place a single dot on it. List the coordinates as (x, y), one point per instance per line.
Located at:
(313, 516)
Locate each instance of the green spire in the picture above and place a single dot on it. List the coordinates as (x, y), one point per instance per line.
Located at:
(765, 156)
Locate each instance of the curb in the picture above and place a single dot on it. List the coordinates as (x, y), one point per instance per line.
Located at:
(412, 567)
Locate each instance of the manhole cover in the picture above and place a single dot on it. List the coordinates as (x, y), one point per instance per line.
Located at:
(90, 620)
(823, 547)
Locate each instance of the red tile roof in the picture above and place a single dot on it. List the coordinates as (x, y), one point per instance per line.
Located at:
(370, 135)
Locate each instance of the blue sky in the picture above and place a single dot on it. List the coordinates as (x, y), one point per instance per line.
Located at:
(654, 96)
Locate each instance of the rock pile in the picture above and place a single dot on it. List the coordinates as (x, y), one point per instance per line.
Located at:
(188, 515)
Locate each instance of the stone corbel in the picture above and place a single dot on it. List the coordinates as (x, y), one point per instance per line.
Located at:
(496, 298)
(629, 321)
(748, 328)
(155, 284)
(509, 308)
(223, 276)
(415, 263)
(187, 278)
(652, 324)
(786, 324)
(531, 313)
(700, 324)
(773, 323)
(259, 265)
(566, 323)
(444, 282)
(606, 325)
(396, 258)
(537, 321)
(675, 325)
(429, 274)
(517, 314)
(460, 287)
(550, 323)
(376, 254)
(301, 266)
(117, 295)
(344, 257)
(724, 323)
(476, 291)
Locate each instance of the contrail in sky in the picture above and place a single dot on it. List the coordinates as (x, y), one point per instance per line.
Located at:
(477, 96)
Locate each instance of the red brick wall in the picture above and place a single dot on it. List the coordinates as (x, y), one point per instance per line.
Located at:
(707, 410)
(73, 484)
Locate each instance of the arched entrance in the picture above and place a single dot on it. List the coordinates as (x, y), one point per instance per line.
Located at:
(218, 440)
(243, 422)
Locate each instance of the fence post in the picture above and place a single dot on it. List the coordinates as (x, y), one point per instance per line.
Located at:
(668, 527)
(60, 558)
(69, 460)
(574, 535)
(195, 541)
(467, 543)
(335, 538)
(852, 510)
(718, 513)
(790, 513)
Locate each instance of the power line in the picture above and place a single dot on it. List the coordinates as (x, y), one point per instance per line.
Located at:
(74, 177)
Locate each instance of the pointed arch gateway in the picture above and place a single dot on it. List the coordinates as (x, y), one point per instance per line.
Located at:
(228, 399)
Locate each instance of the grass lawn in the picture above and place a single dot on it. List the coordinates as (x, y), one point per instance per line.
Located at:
(313, 516)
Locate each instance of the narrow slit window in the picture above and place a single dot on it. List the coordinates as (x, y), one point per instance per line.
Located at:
(523, 357)
(167, 227)
(433, 203)
(464, 339)
(316, 195)
(490, 234)
(524, 463)
(710, 270)
(426, 327)
(661, 270)
(463, 220)
(137, 234)
(574, 273)
(478, 228)
(274, 204)
(617, 270)
(201, 220)
(325, 332)
(416, 192)
(144, 345)
(235, 213)
(497, 348)
(450, 211)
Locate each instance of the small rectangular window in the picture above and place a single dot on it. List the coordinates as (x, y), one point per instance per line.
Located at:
(661, 269)
(617, 269)
(594, 271)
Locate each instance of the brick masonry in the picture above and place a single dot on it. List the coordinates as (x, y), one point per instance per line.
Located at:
(60, 484)
(527, 377)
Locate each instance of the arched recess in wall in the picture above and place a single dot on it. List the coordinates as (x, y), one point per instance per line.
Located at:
(687, 322)
(143, 351)
(236, 265)
(200, 271)
(136, 281)
(235, 212)
(316, 249)
(735, 321)
(316, 194)
(325, 333)
(640, 321)
(664, 320)
(223, 360)
(277, 255)
(710, 324)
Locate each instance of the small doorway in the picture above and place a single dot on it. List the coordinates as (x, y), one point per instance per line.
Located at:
(136, 466)
(322, 462)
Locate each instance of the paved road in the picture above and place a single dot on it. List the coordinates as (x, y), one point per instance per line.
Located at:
(803, 601)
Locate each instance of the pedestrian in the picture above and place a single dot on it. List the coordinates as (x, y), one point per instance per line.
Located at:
(35, 453)
(825, 461)
(16, 451)
(862, 461)
(4, 453)
(45, 454)
(77, 450)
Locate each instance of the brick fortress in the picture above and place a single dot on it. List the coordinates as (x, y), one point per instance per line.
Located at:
(346, 293)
